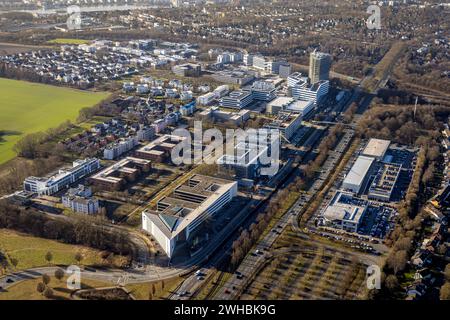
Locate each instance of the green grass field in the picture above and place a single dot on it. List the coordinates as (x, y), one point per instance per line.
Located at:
(68, 41)
(30, 251)
(30, 107)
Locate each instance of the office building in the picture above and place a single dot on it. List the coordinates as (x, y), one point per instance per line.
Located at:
(357, 177)
(236, 77)
(263, 91)
(285, 69)
(376, 148)
(286, 122)
(178, 215)
(237, 99)
(315, 92)
(297, 78)
(345, 212)
(290, 105)
(235, 117)
(221, 91)
(245, 160)
(248, 59)
(206, 99)
(259, 62)
(319, 66)
(62, 179)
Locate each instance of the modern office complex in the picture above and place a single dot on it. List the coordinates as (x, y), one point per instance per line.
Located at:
(237, 77)
(263, 91)
(62, 179)
(248, 59)
(214, 113)
(314, 92)
(285, 70)
(245, 160)
(297, 78)
(286, 122)
(206, 98)
(359, 172)
(345, 212)
(178, 215)
(115, 177)
(290, 105)
(319, 66)
(237, 99)
(266, 64)
(209, 97)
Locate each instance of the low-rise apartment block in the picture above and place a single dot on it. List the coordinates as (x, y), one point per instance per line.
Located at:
(116, 176)
(118, 148)
(159, 150)
(80, 200)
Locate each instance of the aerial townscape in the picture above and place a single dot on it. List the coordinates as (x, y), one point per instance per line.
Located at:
(224, 150)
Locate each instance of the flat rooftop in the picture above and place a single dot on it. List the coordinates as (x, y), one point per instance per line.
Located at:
(385, 180)
(376, 147)
(290, 104)
(166, 141)
(187, 202)
(283, 120)
(122, 166)
(244, 154)
(359, 170)
(238, 95)
(345, 207)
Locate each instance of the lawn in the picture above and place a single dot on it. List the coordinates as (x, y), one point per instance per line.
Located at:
(30, 107)
(26, 290)
(141, 290)
(68, 41)
(30, 251)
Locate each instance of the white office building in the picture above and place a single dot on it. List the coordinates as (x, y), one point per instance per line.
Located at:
(345, 212)
(290, 105)
(357, 177)
(376, 148)
(62, 179)
(237, 99)
(206, 99)
(178, 215)
(263, 91)
(314, 92)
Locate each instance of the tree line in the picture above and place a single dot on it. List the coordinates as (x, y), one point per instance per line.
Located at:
(82, 231)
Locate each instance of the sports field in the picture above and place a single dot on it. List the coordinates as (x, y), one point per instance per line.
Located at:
(27, 107)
